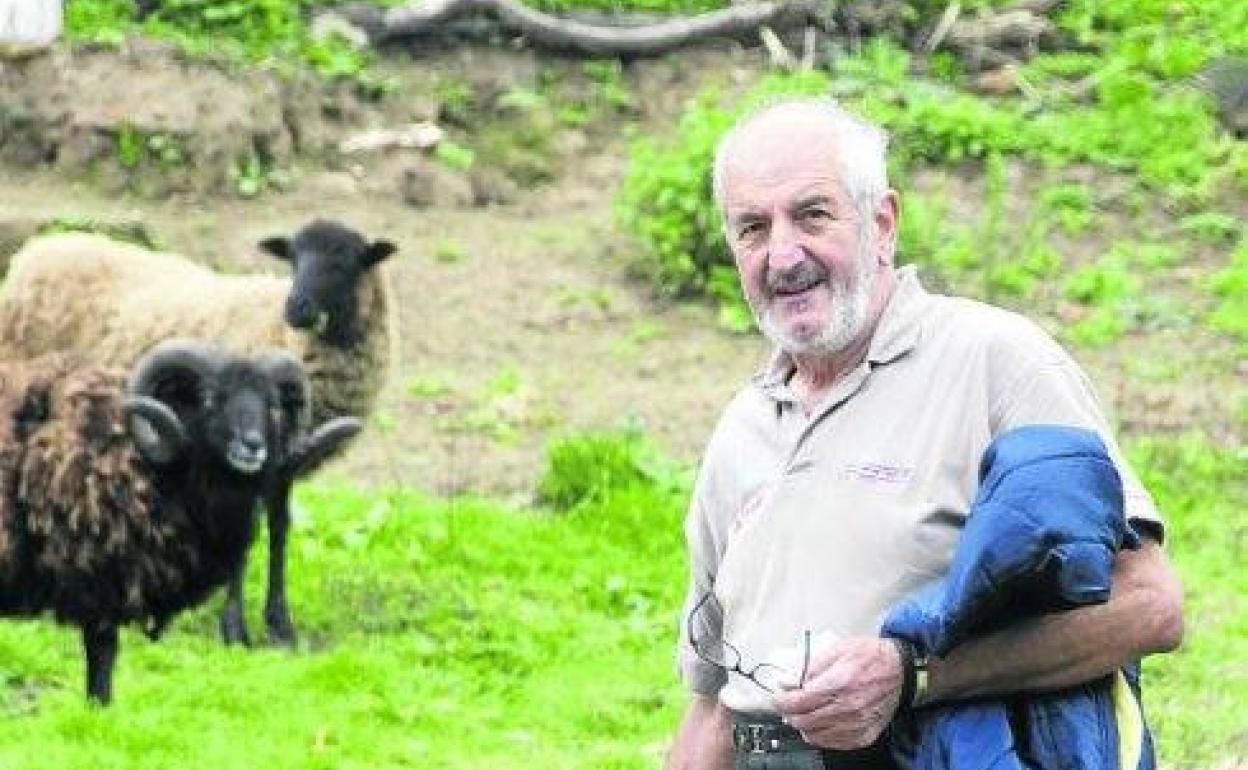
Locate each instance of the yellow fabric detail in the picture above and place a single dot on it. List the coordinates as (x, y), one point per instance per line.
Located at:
(1130, 722)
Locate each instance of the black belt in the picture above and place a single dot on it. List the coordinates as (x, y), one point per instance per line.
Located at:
(760, 735)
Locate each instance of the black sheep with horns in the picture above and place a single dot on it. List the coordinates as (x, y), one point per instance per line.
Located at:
(128, 502)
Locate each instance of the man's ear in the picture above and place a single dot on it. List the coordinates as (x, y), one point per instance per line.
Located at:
(887, 214)
(278, 246)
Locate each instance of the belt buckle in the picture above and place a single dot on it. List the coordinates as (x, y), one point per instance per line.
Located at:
(755, 739)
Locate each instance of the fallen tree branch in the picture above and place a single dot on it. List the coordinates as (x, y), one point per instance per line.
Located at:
(947, 20)
(1009, 29)
(542, 29)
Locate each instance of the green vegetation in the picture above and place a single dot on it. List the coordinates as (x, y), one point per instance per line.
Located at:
(455, 155)
(271, 31)
(450, 633)
(1231, 287)
(583, 469)
(1131, 111)
(439, 634)
(449, 251)
(1196, 698)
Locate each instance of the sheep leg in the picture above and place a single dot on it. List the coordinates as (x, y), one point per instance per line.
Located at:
(233, 617)
(100, 642)
(276, 611)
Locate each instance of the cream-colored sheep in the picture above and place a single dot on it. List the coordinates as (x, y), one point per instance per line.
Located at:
(114, 301)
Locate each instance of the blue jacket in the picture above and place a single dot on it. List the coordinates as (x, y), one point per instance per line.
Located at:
(1041, 536)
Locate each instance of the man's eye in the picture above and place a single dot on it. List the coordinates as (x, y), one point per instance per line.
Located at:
(749, 230)
(817, 215)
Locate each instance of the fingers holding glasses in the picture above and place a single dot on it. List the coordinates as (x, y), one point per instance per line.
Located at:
(851, 694)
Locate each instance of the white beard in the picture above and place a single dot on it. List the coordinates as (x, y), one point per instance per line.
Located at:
(850, 301)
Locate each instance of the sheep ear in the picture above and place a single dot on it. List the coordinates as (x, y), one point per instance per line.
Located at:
(377, 251)
(157, 432)
(278, 246)
(308, 454)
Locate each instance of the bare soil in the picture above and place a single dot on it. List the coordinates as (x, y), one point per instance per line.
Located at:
(520, 321)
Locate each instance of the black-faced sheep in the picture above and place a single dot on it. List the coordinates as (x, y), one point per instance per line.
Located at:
(337, 314)
(129, 503)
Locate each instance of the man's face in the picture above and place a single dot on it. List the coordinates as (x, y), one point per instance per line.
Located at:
(806, 256)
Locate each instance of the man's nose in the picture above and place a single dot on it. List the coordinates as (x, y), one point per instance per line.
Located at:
(784, 250)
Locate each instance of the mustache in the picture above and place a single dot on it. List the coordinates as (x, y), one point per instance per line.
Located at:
(795, 278)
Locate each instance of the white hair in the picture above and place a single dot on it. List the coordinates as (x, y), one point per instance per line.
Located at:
(861, 152)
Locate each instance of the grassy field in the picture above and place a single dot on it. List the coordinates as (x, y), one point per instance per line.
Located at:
(1103, 198)
(462, 633)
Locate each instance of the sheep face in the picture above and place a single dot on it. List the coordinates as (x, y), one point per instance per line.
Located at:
(328, 260)
(229, 406)
(240, 431)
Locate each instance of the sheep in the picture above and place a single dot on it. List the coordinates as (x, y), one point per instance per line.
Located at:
(86, 292)
(129, 502)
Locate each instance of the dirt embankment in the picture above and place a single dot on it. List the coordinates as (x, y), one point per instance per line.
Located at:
(520, 321)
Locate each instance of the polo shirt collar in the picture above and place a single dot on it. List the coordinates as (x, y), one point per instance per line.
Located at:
(897, 333)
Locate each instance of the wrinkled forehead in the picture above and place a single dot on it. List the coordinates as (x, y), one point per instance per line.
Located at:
(773, 153)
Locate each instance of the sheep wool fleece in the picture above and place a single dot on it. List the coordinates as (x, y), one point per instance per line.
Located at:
(820, 523)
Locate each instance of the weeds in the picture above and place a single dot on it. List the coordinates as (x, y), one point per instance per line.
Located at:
(1230, 285)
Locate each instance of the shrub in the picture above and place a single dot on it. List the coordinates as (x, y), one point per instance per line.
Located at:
(587, 467)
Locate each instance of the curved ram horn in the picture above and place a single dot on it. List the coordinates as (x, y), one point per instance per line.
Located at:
(156, 430)
(308, 453)
(179, 361)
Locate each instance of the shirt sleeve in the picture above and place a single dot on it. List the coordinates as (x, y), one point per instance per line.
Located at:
(1056, 391)
(699, 619)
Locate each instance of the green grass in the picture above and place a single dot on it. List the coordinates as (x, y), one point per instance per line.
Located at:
(1197, 698)
(463, 633)
(437, 634)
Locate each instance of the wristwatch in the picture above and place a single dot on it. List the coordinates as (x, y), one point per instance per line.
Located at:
(920, 678)
(914, 667)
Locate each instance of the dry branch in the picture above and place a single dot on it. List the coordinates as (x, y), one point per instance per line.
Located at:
(427, 17)
(1013, 28)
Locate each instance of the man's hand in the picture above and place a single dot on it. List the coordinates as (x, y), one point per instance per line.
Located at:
(850, 695)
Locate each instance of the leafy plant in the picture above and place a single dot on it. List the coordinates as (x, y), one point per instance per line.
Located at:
(448, 250)
(1101, 283)
(1213, 227)
(455, 155)
(1231, 287)
(250, 175)
(608, 74)
(582, 468)
(242, 30)
(130, 146)
(1070, 204)
(426, 387)
(1113, 294)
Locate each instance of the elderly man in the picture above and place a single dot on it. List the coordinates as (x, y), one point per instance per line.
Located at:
(838, 480)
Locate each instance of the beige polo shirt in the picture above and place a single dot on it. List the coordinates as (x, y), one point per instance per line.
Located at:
(822, 523)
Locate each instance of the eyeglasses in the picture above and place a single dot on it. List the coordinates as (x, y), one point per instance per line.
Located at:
(723, 654)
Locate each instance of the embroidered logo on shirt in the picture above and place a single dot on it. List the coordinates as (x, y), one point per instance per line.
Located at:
(752, 506)
(878, 473)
